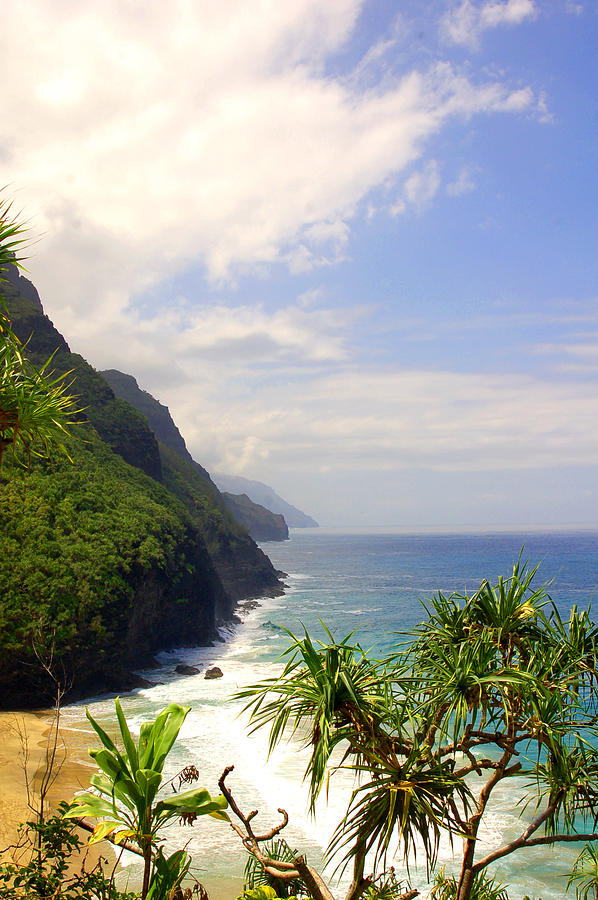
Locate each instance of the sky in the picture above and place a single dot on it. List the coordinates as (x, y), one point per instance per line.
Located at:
(353, 244)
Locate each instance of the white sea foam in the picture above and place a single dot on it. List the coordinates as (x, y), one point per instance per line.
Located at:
(214, 736)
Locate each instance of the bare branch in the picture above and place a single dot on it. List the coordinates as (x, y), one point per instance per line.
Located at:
(124, 845)
(286, 871)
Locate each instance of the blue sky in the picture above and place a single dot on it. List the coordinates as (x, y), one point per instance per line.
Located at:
(352, 245)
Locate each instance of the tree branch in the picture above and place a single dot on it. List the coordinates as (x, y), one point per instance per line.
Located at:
(534, 842)
(122, 845)
(286, 871)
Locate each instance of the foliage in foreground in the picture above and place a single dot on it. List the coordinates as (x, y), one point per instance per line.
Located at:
(36, 409)
(125, 798)
(48, 870)
(483, 888)
(585, 873)
(489, 686)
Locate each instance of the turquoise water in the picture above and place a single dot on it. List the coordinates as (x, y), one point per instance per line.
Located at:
(370, 584)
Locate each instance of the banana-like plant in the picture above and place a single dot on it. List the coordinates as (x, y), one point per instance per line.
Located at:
(126, 802)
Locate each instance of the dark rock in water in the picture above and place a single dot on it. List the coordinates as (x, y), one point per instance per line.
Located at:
(186, 670)
(237, 620)
(214, 672)
(138, 681)
(153, 664)
(248, 605)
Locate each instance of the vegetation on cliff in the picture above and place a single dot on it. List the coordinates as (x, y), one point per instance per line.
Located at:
(261, 524)
(112, 555)
(259, 521)
(100, 566)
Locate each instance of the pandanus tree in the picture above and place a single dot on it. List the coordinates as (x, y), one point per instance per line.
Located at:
(490, 686)
(36, 408)
(126, 802)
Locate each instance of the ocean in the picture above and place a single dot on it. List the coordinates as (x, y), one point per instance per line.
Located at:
(369, 584)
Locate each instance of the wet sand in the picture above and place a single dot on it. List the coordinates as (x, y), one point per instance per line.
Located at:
(26, 739)
(26, 743)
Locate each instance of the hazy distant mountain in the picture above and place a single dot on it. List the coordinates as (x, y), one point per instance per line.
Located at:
(265, 496)
(261, 523)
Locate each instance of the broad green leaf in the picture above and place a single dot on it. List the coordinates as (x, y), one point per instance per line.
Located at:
(102, 830)
(197, 801)
(149, 783)
(128, 741)
(106, 740)
(163, 735)
(113, 790)
(120, 775)
(89, 805)
(125, 833)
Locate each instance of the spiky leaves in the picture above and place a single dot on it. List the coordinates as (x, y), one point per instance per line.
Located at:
(36, 409)
(327, 693)
(125, 800)
(585, 873)
(492, 684)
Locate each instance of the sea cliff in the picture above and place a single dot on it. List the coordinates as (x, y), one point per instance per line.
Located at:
(123, 549)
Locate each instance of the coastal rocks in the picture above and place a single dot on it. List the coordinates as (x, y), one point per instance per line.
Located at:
(248, 605)
(214, 672)
(186, 670)
(261, 523)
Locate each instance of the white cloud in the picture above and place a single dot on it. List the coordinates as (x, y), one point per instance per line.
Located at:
(392, 420)
(138, 143)
(465, 23)
(464, 183)
(419, 189)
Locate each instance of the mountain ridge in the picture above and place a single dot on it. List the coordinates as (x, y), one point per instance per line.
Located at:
(266, 496)
(260, 522)
(113, 554)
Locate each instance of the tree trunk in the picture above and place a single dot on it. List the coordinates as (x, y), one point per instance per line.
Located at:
(147, 864)
(467, 876)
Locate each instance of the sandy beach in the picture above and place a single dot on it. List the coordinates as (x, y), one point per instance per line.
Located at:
(25, 738)
(25, 741)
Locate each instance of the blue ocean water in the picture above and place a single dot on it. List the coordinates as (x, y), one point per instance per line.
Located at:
(370, 584)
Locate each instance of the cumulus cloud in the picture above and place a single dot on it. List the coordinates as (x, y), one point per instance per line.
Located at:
(138, 143)
(464, 24)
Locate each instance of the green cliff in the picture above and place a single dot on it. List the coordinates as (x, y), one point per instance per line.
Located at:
(105, 560)
(261, 524)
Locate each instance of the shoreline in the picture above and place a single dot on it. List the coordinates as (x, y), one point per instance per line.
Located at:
(26, 741)
(23, 751)
(26, 737)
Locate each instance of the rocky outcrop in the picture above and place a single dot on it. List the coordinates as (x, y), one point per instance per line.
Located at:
(214, 672)
(265, 496)
(261, 524)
